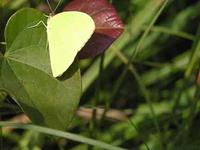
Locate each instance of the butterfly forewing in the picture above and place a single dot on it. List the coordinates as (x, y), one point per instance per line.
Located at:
(67, 33)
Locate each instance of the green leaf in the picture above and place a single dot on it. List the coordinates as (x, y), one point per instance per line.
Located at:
(26, 73)
(25, 43)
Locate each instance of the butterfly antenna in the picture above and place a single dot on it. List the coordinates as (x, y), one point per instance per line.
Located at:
(57, 5)
(50, 6)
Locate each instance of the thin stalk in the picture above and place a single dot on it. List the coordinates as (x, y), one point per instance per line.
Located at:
(138, 47)
(124, 59)
(194, 57)
(191, 68)
(169, 31)
(183, 130)
(176, 103)
(149, 102)
(192, 113)
(136, 75)
(94, 123)
(188, 73)
(135, 127)
(193, 107)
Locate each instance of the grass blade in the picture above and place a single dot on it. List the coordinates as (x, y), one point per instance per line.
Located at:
(62, 134)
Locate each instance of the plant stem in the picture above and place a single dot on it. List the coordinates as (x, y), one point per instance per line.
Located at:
(194, 58)
(136, 75)
(193, 107)
(135, 127)
(94, 123)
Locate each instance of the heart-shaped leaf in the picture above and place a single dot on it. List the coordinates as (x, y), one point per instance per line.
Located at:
(108, 25)
(26, 75)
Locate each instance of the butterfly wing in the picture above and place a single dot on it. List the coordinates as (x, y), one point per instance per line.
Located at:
(67, 33)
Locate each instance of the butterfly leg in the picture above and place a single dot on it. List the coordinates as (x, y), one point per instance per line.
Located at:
(40, 22)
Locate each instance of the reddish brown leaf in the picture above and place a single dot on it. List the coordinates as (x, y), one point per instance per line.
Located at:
(108, 25)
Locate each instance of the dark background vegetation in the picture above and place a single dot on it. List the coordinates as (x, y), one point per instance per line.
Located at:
(154, 106)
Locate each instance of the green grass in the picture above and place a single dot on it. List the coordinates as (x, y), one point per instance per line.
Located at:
(149, 73)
